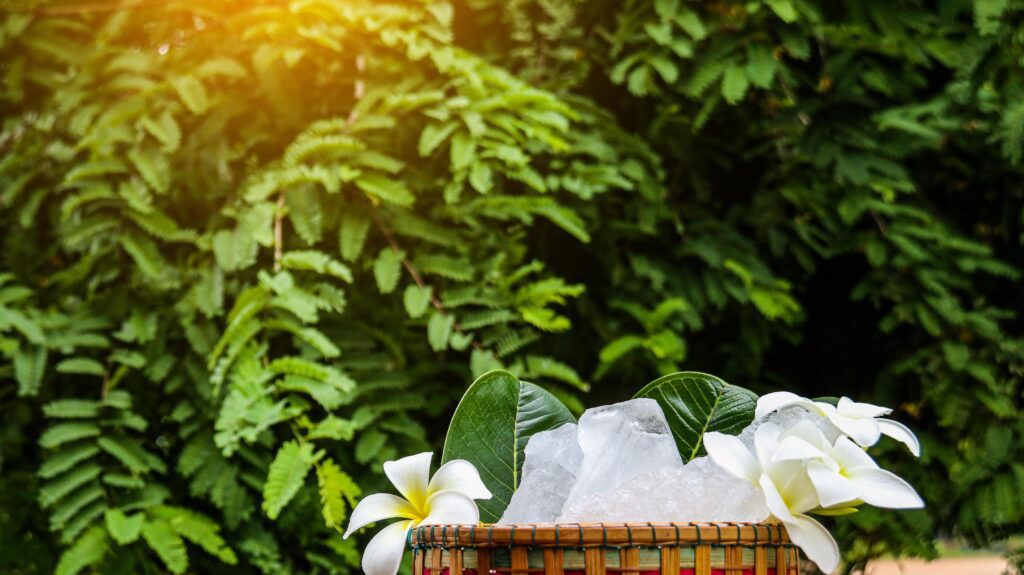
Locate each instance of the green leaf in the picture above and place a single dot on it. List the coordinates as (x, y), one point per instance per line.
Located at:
(784, 9)
(287, 474)
(165, 129)
(336, 487)
(417, 300)
(439, 329)
(153, 166)
(129, 452)
(67, 432)
(619, 347)
(167, 544)
(433, 136)
(192, 93)
(957, 354)
(29, 367)
(695, 403)
(734, 83)
(352, 236)
(490, 428)
(463, 151)
(480, 177)
(369, 445)
(234, 249)
(72, 408)
(387, 269)
(81, 366)
(386, 189)
(199, 529)
(333, 427)
(761, 65)
(314, 260)
(85, 552)
(123, 528)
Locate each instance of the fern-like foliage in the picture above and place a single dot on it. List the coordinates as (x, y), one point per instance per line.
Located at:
(247, 245)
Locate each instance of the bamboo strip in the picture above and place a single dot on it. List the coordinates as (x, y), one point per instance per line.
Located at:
(483, 561)
(629, 561)
(702, 561)
(669, 560)
(520, 560)
(760, 560)
(734, 560)
(780, 561)
(455, 561)
(553, 562)
(418, 555)
(593, 561)
(436, 565)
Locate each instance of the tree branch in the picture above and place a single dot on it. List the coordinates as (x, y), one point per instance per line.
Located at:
(279, 232)
(416, 277)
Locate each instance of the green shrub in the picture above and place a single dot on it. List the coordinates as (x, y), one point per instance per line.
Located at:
(254, 249)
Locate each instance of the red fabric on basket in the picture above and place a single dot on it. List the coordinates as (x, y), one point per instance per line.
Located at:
(683, 571)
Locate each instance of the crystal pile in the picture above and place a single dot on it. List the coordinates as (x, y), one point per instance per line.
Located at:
(700, 491)
(620, 442)
(552, 462)
(620, 463)
(786, 418)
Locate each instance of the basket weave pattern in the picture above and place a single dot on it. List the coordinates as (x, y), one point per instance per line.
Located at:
(600, 549)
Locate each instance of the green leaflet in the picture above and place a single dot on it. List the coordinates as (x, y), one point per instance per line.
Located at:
(490, 429)
(123, 528)
(287, 474)
(167, 543)
(696, 403)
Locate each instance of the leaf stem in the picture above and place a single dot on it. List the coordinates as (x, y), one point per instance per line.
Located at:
(416, 277)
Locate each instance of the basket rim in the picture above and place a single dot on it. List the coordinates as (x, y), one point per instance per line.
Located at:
(608, 534)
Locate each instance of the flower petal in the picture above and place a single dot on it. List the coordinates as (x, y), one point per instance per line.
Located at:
(774, 501)
(851, 408)
(766, 441)
(410, 475)
(383, 554)
(816, 542)
(851, 456)
(884, 489)
(777, 400)
(809, 432)
(732, 455)
(901, 433)
(459, 475)
(379, 506)
(450, 508)
(796, 449)
(831, 486)
(795, 487)
(864, 432)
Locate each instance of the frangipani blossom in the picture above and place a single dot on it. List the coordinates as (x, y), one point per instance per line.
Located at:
(446, 498)
(779, 470)
(843, 475)
(862, 422)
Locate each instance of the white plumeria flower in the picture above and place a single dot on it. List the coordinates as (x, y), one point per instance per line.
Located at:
(862, 422)
(447, 498)
(780, 471)
(843, 474)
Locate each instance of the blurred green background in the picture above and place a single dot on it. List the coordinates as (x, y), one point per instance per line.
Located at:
(251, 249)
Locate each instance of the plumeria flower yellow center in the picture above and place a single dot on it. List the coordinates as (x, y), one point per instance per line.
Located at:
(800, 472)
(780, 472)
(861, 422)
(446, 498)
(844, 475)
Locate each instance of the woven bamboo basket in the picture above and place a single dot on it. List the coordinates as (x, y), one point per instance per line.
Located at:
(599, 549)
